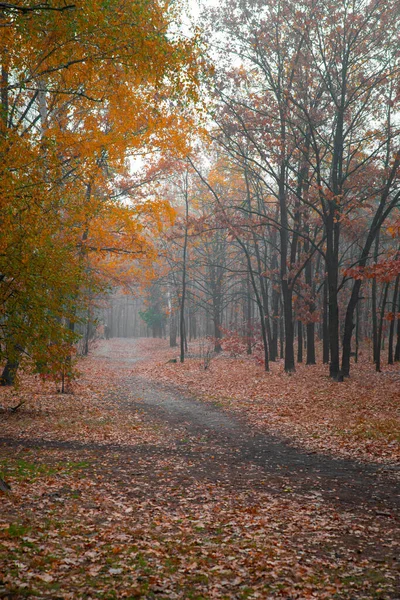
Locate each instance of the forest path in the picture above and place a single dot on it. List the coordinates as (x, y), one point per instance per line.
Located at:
(221, 447)
(157, 494)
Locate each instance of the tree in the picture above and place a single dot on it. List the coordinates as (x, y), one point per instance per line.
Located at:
(297, 110)
(81, 89)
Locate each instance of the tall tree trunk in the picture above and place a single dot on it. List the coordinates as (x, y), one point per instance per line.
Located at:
(397, 349)
(380, 328)
(349, 326)
(4, 91)
(299, 342)
(393, 321)
(185, 335)
(275, 323)
(194, 326)
(182, 306)
(259, 301)
(332, 269)
(310, 336)
(172, 330)
(358, 318)
(325, 328)
(374, 320)
(249, 333)
(275, 302)
(285, 283)
(11, 367)
(374, 306)
(86, 340)
(281, 332)
(310, 327)
(217, 319)
(332, 227)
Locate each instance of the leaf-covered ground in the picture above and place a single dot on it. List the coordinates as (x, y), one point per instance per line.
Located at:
(110, 500)
(359, 417)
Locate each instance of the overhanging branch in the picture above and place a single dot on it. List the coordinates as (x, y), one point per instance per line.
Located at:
(8, 7)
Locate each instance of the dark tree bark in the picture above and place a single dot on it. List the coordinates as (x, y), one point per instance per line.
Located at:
(299, 342)
(332, 269)
(194, 326)
(310, 327)
(285, 284)
(4, 487)
(397, 350)
(183, 297)
(310, 335)
(358, 319)
(248, 316)
(9, 373)
(393, 321)
(275, 303)
(172, 331)
(374, 306)
(4, 93)
(260, 306)
(380, 328)
(325, 330)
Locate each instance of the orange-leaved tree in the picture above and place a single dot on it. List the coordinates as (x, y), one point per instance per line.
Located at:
(85, 86)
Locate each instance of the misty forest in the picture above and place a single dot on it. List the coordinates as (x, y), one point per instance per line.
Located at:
(200, 299)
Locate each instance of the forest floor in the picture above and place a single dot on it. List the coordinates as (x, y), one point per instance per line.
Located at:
(131, 487)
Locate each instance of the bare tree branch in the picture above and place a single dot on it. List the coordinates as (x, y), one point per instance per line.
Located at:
(8, 7)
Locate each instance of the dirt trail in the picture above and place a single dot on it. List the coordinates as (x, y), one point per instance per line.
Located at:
(202, 507)
(224, 448)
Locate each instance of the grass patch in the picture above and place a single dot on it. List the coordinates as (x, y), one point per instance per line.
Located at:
(22, 470)
(377, 429)
(16, 530)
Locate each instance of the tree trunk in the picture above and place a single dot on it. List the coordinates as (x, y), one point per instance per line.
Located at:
(182, 307)
(397, 350)
(380, 329)
(248, 316)
(185, 334)
(217, 334)
(310, 328)
(374, 320)
(374, 306)
(349, 326)
(357, 331)
(9, 372)
(172, 331)
(393, 321)
(310, 331)
(4, 487)
(275, 303)
(86, 345)
(194, 326)
(325, 329)
(332, 268)
(4, 91)
(275, 323)
(299, 342)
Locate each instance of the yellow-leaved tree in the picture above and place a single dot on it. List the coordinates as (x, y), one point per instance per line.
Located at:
(85, 86)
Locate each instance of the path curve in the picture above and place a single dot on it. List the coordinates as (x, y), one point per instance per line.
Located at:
(223, 447)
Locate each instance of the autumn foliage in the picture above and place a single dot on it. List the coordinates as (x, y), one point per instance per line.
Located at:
(85, 88)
